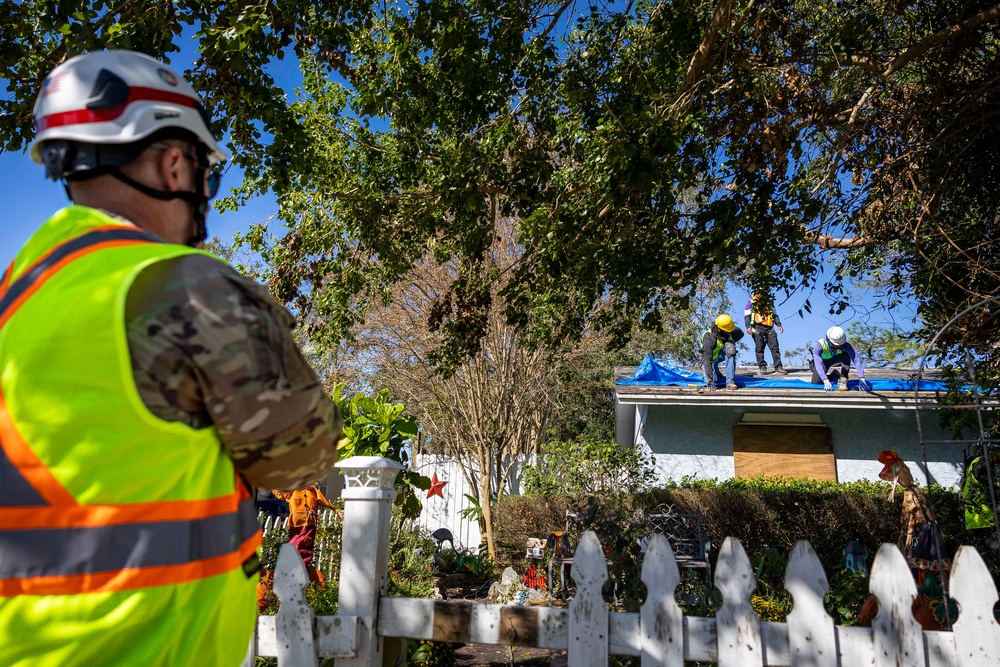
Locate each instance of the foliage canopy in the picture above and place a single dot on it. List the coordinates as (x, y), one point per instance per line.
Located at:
(641, 147)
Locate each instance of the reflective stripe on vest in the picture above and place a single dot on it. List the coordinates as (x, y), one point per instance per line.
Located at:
(826, 353)
(766, 318)
(50, 544)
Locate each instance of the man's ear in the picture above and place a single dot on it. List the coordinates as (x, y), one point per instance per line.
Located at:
(171, 169)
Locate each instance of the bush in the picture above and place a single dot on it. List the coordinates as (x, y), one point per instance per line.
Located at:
(588, 468)
(768, 516)
(424, 653)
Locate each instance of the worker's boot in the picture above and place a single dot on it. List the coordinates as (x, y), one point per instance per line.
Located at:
(763, 369)
(842, 384)
(780, 370)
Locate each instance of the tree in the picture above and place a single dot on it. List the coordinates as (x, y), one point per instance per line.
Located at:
(642, 146)
(494, 405)
(583, 387)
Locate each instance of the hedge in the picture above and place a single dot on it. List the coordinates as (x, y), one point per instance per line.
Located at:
(766, 515)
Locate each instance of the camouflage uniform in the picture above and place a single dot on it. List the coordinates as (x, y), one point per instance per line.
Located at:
(209, 347)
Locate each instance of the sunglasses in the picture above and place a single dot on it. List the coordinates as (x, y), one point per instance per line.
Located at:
(214, 179)
(214, 171)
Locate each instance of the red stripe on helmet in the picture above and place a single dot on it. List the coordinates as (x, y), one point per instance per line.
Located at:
(136, 94)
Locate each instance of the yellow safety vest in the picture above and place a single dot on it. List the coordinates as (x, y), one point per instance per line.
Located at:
(124, 539)
(718, 345)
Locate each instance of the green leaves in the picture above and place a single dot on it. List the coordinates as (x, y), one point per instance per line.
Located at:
(640, 148)
(374, 426)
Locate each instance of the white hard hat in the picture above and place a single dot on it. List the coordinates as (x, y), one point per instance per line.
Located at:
(836, 336)
(115, 98)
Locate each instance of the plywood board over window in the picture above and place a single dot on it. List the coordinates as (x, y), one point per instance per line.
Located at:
(784, 451)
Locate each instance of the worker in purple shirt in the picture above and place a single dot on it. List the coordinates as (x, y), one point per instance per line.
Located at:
(832, 357)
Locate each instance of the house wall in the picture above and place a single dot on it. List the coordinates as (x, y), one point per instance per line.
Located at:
(698, 441)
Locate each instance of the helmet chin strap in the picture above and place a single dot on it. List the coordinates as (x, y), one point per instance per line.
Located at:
(199, 202)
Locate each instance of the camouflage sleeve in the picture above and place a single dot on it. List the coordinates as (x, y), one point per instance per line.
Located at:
(211, 348)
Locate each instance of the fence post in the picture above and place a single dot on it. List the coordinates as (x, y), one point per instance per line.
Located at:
(588, 615)
(662, 621)
(368, 495)
(977, 635)
(897, 635)
(737, 624)
(812, 636)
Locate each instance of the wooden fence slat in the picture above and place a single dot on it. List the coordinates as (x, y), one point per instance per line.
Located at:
(774, 639)
(898, 638)
(940, 649)
(588, 615)
(976, 631)
(662, 621)
(737, 624)
(296, 645)
(624, 634)
(701, 641)
(812, 639)
(856, 646)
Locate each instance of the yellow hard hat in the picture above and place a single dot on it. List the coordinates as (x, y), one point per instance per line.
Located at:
(725, 323)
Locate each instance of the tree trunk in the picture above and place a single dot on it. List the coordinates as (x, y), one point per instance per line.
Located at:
(485, 482)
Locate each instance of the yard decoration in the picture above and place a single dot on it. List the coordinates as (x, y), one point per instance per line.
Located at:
(437, 485)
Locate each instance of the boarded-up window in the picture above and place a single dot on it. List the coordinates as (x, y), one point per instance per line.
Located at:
(784, 451)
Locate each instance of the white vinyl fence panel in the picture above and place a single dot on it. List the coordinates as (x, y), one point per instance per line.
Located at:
(445, 512)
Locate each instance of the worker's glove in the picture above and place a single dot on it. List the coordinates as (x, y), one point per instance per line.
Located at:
(730, 349)
(863, 385)
(827, 386)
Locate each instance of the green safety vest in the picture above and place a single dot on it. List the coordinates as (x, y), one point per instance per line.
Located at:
(124, 539)
(718, 345)
(827, 353)
(976, 499)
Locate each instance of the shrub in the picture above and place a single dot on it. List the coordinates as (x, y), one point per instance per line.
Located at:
(768, 516)
(588, 468)
(424, 653)
(848, 591)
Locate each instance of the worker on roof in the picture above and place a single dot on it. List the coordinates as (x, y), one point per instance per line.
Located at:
(144, 386)
(718, 346)
(832, 358)
(761, 321)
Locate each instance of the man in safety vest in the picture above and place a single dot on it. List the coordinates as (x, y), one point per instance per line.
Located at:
(143, 384)
(832, 358)
(718, 346)
(761, 322)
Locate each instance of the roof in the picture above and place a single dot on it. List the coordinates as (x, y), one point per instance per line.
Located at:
(652, 394)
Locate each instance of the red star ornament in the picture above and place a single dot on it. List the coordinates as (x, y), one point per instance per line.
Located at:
(436, 486)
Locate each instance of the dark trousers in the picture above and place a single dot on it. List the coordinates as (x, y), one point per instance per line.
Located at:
(837, 367)
(766, 335)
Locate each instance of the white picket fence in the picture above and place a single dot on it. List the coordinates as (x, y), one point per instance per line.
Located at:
(660, 634)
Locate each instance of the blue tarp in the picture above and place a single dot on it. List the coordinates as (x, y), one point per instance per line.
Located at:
(654, 373)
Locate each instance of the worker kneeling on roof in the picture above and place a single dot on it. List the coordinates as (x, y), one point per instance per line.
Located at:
(718, 347)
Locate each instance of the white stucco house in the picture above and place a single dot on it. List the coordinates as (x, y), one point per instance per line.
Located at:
(781, 426)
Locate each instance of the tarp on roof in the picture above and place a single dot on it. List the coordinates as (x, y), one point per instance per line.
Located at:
(654, 373)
